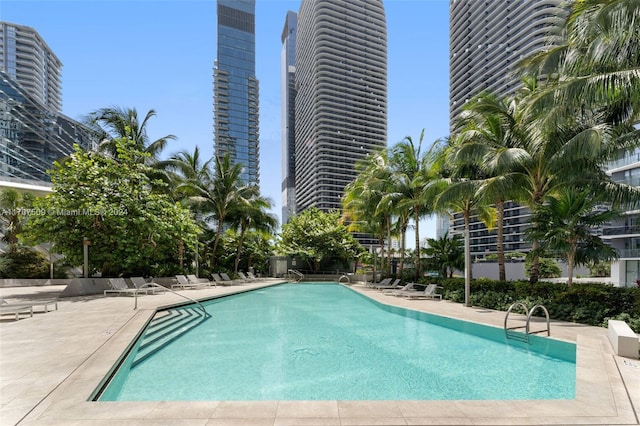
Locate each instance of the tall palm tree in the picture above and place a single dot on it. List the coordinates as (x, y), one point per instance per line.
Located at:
(250, 212)
(566, 224)
(363, 204)
(412, 171)
(117, 122)
(593, 61)
(483, 136)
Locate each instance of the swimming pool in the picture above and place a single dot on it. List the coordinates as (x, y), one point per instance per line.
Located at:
(327, 342)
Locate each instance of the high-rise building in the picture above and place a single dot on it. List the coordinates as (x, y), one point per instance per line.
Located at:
(33, 132)
(235, 98)
(341, 99)
(488, 38)
(27, 59)
(288, 114)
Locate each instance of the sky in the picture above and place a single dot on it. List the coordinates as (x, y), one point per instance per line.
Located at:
(159, 54)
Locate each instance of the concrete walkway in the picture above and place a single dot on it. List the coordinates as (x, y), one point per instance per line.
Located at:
(52, 362)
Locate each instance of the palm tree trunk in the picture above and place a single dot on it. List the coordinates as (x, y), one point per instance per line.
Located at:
(502, 273)
(243, 229)
(467, 260)
(403, 243)
(417, 253)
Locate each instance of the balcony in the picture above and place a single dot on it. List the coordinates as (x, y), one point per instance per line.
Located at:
(622, 230)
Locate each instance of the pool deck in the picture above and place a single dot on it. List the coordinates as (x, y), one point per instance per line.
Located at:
(52, 362)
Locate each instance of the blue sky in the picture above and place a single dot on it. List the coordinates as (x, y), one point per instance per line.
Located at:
(158, 54)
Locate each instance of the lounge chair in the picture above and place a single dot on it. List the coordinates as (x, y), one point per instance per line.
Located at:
(184, 283)
(119, 286)
(384, 282)
(394, 285)
(252, 277)
(226, 277)
(244, 278)
(218, 279)
(24, 307)
(140, 282)
(409, 287)
(193, 279)
(429, 292)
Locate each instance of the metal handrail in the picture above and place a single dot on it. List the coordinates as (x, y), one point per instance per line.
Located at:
(147, 285)
(513, 305)
(546, 313)
(297, 273)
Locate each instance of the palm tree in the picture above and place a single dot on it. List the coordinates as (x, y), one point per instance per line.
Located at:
(566, 224)
(250, 212)
(116, 122)
(484, 135)
(412, 171)
(365, 208)
(445, 254)
(593, 61)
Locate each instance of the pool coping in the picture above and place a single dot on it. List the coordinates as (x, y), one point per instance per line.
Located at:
(606, 384)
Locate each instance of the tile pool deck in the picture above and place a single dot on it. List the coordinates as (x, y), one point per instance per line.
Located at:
(51, 363)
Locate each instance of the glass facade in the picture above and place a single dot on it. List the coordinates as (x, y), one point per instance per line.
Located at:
(32, 137)
(236, 111)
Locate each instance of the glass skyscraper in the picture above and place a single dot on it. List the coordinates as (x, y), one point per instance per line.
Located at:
(236, 111)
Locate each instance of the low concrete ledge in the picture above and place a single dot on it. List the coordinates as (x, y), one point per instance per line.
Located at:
(32, 282)
(623, 339)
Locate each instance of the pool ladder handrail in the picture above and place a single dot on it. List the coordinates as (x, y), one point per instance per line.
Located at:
(298, 274)
(529, 314)
(148, 285)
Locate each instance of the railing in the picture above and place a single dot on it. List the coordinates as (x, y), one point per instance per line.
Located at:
(149, 285)
(529, 314)
(298, 274)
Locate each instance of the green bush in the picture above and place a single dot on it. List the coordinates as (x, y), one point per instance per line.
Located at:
(26, 263)
(591, 304)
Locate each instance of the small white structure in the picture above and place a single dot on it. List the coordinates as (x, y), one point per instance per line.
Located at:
(623, 339)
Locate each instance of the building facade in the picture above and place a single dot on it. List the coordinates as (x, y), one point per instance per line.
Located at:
(236, 88)
(26, 58)
(32, 136)
(624, 233)
(288, 114)
(341, 99)
(488, 38)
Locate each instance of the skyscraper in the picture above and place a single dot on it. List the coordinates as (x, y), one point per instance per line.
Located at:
(33, 132)
(27, 59)
(288, 114)
(236, 111)
(487, 40)
(341, 99)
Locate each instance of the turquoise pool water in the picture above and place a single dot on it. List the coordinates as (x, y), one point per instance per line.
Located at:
(327, 342)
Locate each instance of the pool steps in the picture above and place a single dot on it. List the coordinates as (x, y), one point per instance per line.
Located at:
(165, 329)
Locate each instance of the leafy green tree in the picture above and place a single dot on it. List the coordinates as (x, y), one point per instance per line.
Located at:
(314, 235)
(12, 205)
(109, 201)
(566, 224)
(445, 255)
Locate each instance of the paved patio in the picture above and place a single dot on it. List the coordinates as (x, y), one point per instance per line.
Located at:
(51, 363)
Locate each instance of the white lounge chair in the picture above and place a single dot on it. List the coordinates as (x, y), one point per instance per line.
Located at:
(119, 286)
(394, 285)
(384, 282)
(244, 278)
(193, 279)
(184, 283)
(429, 292)
(226, 277)
(218, 279)
(252, 277)
(16, 308)
(409, 287)
(140, 282)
